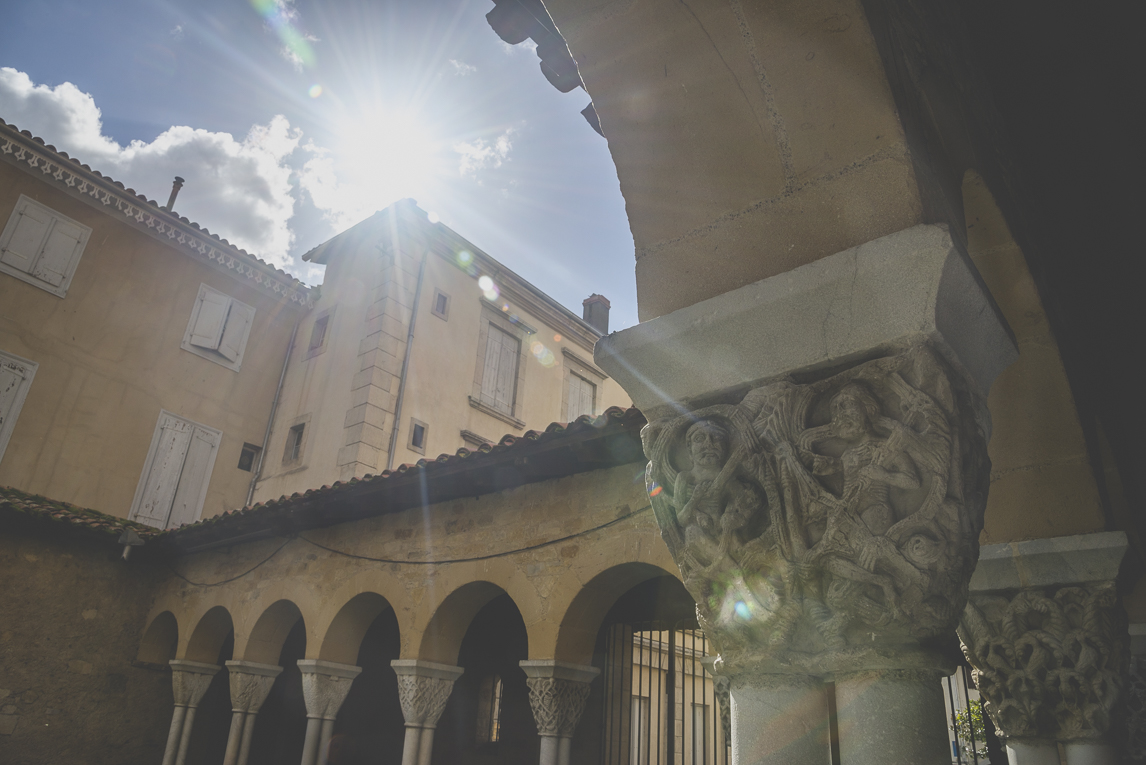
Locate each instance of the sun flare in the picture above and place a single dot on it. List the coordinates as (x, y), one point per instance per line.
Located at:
(393, 149)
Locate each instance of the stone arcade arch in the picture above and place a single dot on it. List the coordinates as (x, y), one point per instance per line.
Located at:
(160, 640)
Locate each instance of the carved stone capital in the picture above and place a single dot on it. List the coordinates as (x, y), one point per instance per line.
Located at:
(424, 687)
(190, 680)
(830, 525)
(250, 684)
(1050, 661)
(557, 694)
(325, 685)
(1135, 694)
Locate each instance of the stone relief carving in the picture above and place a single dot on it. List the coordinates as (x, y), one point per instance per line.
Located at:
(810, 519)
(188, 686)
(324, 694)
(423, 698)
(1049, 664)
(723, 688)
(557, 704)
(248, 691)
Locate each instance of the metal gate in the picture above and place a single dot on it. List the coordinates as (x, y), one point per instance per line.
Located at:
(662, 705)
(969, 729)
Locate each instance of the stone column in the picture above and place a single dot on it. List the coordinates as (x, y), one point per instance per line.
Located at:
(424, 687)
(324, 688)
(189, 681)
(1135, 693)
(557, 693)
(1047, 638)
(250, 684)
(818, 468)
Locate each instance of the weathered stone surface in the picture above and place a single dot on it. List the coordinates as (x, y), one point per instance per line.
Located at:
(250, 684)
(325, 685)
(901, 289)
(1046, 562)
(1050, 662)
(827, 526)
(424, 687)
(557, 694)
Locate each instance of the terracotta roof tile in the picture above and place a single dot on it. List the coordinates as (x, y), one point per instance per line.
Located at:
(68, 515)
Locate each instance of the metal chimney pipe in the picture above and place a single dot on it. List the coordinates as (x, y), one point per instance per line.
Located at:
(174, 192)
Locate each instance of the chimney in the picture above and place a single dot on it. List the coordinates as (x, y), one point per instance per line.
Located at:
(174, 192)
(597, 312)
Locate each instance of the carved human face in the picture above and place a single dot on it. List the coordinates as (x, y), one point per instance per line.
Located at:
(707, 446)
(849, 420)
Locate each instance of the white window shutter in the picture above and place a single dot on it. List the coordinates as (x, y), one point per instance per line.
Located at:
(62, 247)
(11, 380)
(492, 359)
(211, 320)
(507, 373)
(235, 332)
(193, 481)
(15, 379)
(20, 248)
(162, 479)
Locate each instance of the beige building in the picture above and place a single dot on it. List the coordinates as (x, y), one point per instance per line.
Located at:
(413, 323)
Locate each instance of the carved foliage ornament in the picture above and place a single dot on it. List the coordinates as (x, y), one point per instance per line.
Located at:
(1049, 663)
(423, 698)
(248, 691)
(557, 704)
(324, 694)
(811, 519)
(189, 686)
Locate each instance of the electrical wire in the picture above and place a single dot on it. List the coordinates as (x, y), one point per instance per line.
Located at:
(537, 546)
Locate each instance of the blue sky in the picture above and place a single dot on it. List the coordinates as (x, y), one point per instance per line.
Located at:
(291, 120)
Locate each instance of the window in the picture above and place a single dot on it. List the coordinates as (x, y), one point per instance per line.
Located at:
(441, 307)
(175, 477)
(417, 441)
(499, 376)
(581, 382)
(15, 378)
(489, 710)
(294, 441)
(318, 334)
(42, 247)
(248, 457)
(581, 398)
(219, 328)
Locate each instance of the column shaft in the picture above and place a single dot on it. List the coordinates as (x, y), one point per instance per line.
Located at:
(324, 740)
(248, 734)
(411, 745)
(780, 720)
(1089, 753)
(564, 750)
(174, 734)
(426, 746)
(1032, 753)
(550, 747)
(892, 717)
(310, 744)
(234, 738)
(185, 736)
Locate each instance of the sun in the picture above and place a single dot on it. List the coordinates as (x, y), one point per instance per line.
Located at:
(393, 151)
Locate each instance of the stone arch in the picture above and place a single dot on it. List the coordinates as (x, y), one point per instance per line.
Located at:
(582, 618)
(209, 634)
(344, 636)
(265, 642)
(442, 638)
(160, 640)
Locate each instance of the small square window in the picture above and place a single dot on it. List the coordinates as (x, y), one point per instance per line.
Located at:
(219, 328)
(418, 431)
(293, 451)
(441, 306)
(42, 247)
(319, 332)
(249, 457)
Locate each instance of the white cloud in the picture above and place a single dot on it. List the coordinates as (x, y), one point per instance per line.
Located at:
(480, 154)
(177, 32)
(528, 45)
(239, 190)
(294, 59)
(462, 68)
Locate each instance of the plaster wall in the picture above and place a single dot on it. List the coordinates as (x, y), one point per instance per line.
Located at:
(347, 393)
(110, 359)
(1042, 482)
(562, 590)
(749, 138)
(69, 692)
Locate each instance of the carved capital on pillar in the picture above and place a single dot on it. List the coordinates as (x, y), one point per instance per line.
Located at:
(557, 693)
(325, 685)
(250, 684)
(1050, 661)
(424, 687)
(845, 511)
(190, 680)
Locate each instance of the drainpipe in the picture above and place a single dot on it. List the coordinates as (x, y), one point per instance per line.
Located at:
(406, 364)
(271, 421)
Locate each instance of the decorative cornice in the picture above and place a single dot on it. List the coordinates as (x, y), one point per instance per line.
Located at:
(77, 180)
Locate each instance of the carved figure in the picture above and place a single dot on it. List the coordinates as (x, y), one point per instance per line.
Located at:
(831, 510)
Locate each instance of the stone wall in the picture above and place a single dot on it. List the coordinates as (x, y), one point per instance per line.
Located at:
(72, 614)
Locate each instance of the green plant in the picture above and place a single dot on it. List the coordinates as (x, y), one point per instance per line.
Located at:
(969, 727)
